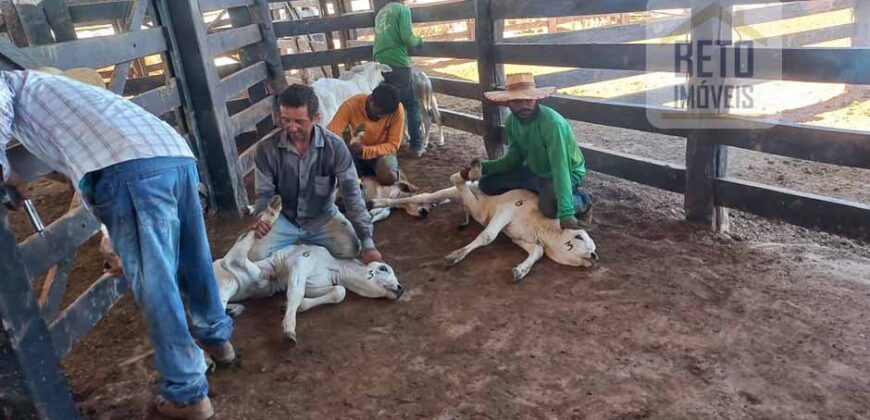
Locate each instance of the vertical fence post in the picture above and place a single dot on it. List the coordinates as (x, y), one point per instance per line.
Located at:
(200, 75)
(490, 74)
(249, 55)
(263, 17)
(861, 16)
(31, 381)
(705, 159)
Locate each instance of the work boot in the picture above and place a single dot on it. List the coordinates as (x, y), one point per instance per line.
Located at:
(223, 354)
(585, 218)
(199, 410)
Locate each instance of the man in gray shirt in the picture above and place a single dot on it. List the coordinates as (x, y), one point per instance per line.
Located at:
(302, 165)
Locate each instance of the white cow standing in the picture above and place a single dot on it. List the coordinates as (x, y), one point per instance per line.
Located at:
(309, 274)
(331, 93)
(516, 214)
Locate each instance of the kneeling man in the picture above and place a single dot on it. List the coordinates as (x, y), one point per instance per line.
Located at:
(303, 164)
(382, 118)
(542, 155)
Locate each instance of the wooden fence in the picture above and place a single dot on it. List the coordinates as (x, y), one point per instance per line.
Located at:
(705, 191)
(35, 332)
(221, 110)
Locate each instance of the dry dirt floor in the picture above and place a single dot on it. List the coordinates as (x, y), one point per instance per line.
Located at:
(675, 322)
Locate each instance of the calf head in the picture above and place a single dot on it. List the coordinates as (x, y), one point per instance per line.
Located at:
(572, 247)
(379, 281)
(369, 74)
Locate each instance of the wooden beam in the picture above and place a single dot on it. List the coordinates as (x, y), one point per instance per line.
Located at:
(447, 11)
(458, 88)
(813, 211)
(595, 56)
(239, 81)
(34, 23)
(321, 58)
(160, 100)
(261, 15)
(101, 51)
(524, 9)
(14, 28)
(818, 144)
(575, 77)
(59, 19)
(322, 25)
(253, 115)
(609, 113)
(134, 24)
(210, 5)
(826, 65)
(212, 120)
(463, 121)
(25, 344)
(14, 58)
(233, 39)
(98, 13)
(490, 74)
(658, 174)
(60, 239)
(861, 16)
(51, 295)
(455, 49)
(75, 321)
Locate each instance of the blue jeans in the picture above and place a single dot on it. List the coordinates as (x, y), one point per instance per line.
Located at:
(402, 78)
(336, 235)
(152, 211)
(523, 178)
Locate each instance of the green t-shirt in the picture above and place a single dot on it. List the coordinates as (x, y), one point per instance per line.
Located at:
(547, 145)
(393, 35)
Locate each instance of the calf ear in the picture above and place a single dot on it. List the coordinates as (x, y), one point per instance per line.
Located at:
(385, 68)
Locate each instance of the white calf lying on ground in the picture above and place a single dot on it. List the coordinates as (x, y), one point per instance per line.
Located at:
(309, 274)
(516, 213)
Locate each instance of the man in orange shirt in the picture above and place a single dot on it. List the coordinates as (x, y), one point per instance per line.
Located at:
(382, 118)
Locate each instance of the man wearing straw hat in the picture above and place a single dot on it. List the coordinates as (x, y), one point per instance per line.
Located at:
(542, 155)
(139, 178)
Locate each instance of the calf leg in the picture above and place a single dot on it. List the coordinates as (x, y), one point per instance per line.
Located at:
(297, 272)
(335, 295)
(436, 115)
(379, 214)
(435, 197)
(490, 232)
(536, 251)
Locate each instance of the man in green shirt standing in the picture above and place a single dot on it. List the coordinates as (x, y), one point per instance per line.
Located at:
(393, 37)
(542, 155)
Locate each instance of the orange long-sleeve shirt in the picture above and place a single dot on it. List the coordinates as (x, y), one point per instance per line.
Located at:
(381, 137)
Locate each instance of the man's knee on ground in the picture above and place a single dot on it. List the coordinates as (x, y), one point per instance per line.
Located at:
(386, 176)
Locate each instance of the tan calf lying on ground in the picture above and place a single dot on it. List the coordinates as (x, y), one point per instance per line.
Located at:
(516, 214)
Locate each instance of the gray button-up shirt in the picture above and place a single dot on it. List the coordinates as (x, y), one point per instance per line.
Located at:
(307, 182)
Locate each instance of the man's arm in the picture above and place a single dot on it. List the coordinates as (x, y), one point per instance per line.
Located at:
(264, 179)
(405, 32)
(394, 137)
(354, 205)
(512, 159)
(340, 121)
(557, 141)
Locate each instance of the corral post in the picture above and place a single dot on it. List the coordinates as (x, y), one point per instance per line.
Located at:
(705, 159)
(31, 381)
(249, 55)
(212, 119)
(262, 16)
(490, 74)
(861, 36)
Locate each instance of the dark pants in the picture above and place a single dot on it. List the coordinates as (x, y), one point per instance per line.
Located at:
(523, 178)
(384, 168)
(401, 78)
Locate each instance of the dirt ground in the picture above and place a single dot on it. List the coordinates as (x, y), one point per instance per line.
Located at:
(673, 323)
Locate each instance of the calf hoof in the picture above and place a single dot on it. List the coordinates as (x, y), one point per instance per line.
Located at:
(518, 274)
(291, 338)
(453, 258)
(234, 310)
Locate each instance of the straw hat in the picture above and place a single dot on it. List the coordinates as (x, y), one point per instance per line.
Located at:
(519, 86)
(85, 75)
